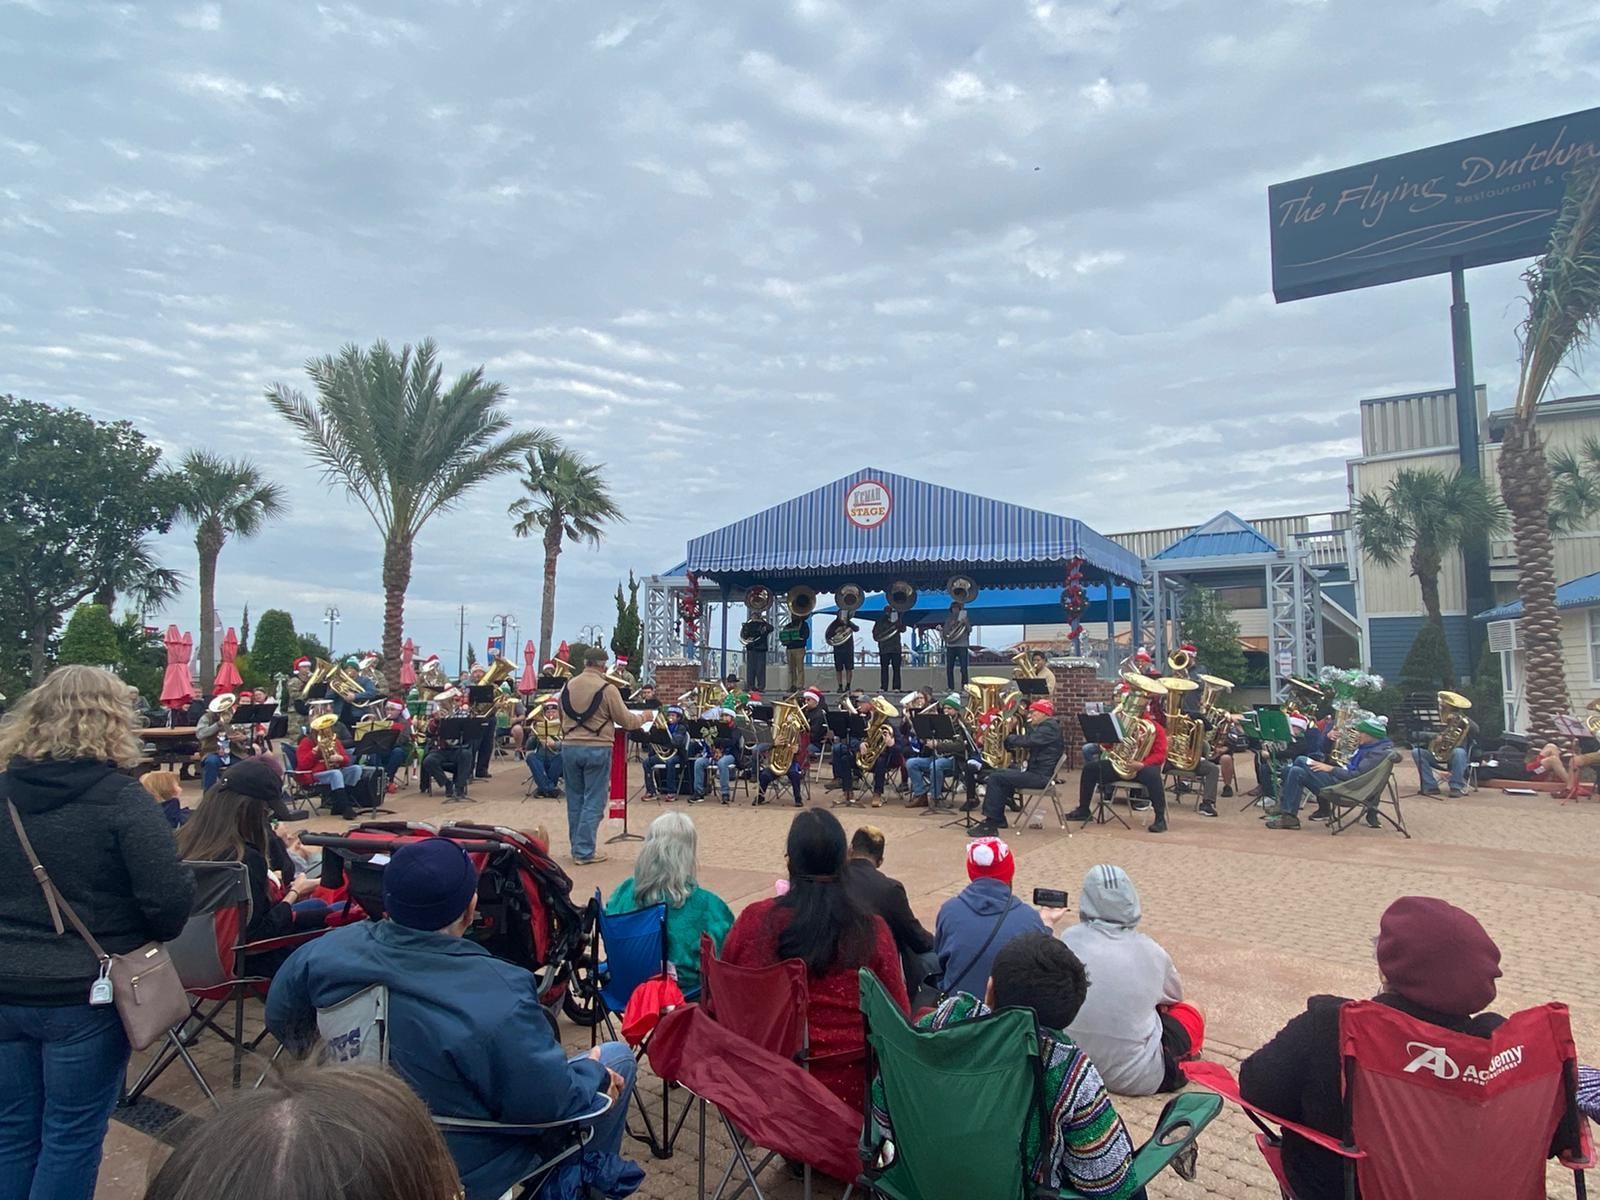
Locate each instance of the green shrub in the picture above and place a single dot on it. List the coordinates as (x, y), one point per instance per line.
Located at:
(1427, 667)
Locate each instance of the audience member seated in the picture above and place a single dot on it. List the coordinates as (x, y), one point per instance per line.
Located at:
(1087, 1147)
(1305, 774)
(975, 923)
(664, 873)
(166, 790)
(885, 896)
(466, 1029)
(231, 824)
(350, 1130)
(1436, 964)
(819, 921)
(1134, 1024)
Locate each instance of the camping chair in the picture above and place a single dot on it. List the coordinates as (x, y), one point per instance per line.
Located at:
(988, 1070)
(357, 1030)
(1431, 1114)
(635, 951)
(1366, 793)
(313, 794)
(211, 959)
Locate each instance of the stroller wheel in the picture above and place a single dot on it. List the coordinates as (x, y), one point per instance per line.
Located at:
(581, 1003)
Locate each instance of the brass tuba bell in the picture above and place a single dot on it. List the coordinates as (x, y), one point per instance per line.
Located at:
(757, 598)
(902, 595)
(1179, 662)
(849, 598)
(963, 589)
(802, 600)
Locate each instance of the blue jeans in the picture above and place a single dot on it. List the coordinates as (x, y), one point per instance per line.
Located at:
(955, 656)
(1299, 778)
(339, 777)
(921, 768)
(1091, 751)
(725, 766)
(586, 771)
(608, 1130)
(62, 1069)
(545, 767)
(211, 767)
(1425, 767)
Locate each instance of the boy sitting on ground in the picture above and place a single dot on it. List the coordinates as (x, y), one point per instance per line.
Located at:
(1089, 1148)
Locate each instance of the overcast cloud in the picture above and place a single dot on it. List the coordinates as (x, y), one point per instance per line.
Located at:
(735, 250)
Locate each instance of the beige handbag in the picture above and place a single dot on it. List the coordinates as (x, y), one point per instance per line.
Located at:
(143, 984)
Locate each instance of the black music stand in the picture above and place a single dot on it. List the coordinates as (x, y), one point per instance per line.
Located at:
(378, 742)
(480, 694)
(932, 728)
(458, 733)
(847, 725)
(254, 714)
(1101, 729)
(551, 683)
(1033, 687)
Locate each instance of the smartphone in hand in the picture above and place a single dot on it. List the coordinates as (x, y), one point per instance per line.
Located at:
(1051, 898)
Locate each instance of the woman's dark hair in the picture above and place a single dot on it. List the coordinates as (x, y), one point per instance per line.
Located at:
(828, 928)
(339, 1132)
(222, 825)
(1035, 970)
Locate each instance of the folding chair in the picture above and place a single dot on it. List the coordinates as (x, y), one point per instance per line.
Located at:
(314, 794)
(987, 1070)
(211, 959)
(1366, 793)
(357, 1030)
(1431, 1114)
(1032, 798)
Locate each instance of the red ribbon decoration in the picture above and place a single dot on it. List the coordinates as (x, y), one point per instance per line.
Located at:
(1074, 600)
(689, 610)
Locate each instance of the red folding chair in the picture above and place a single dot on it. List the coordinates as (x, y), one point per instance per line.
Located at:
(1431, 1114)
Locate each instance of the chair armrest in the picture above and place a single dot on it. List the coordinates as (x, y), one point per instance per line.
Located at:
(1217, 1078)
(279, 943)
(1180, 1123)
(468, 1125)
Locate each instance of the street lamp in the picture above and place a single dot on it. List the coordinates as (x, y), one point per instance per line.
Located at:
(591, 635)
(504, 620)
(331, 616)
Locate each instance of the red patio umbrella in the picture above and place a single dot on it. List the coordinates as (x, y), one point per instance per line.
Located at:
(408, 672)
(529, 682)
(176, 690)
(228, 679)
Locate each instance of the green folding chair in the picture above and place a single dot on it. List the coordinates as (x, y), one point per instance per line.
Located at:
(988, 1070)
(1367, 793)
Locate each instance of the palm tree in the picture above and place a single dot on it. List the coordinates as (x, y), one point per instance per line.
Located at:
(1563, 308)
(567, 497)
(1423, 515)
(221, 497)
(1575, 490)
(404, 445)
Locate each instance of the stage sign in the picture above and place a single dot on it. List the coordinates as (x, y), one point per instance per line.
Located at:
(1484, 199)
(868, 503)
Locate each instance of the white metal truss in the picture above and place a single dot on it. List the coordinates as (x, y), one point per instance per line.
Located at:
(1286, 649)
(660, 625)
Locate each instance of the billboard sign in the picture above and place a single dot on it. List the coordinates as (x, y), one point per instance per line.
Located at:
(496, 647)
(1484, 199)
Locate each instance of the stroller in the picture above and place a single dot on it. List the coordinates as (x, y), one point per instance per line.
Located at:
(525, 910)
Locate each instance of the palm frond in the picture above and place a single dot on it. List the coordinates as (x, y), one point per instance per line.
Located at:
(1563, 290)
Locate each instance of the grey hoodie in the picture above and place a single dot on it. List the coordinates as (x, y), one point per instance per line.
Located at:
(1129, 975)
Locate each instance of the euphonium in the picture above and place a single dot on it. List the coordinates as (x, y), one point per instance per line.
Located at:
(1178, 664)
(1185, 735)
(879, 735)
(1138, 733)
(1454, 722)
(1003, 722)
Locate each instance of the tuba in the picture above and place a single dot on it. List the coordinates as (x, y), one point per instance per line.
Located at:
(883, 628)
(1186, 737)
(430, 682)
(849, 597)
(841, 630)
(802, 601)
(1003, 722)
(1022, 665)
(497, 673)
(1454, 723)
(789, 725)
(880, 736)
(1307, 695)
(1211, 688)
(757, 599)
(1178, 664)
(558, 668)
(956, 626)
(328, 748)
(963, 589)
(1138, 733)
(901, 596)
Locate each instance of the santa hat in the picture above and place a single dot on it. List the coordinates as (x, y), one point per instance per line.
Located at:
(432, 658)
(622, 660)
(812, 694)
(1188, 648)
(990, 858)
(1043, 707)
(301, 662)
(1141, 655)
(397, 706)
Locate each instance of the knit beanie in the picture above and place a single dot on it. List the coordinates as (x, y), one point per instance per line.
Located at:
(1438, 956)
(428, 884)
(254, 778)
(990, 858)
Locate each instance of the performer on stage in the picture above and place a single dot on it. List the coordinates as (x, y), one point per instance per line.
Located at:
(592, 709)
(756, 636)
(841, 635)
(723, 747)
(957, 645)
(1045, 745)
(446, 761)
(544, 748)
(931, 762)
(665, 784)
(886, 631)
(794, 637)
(1148, 777)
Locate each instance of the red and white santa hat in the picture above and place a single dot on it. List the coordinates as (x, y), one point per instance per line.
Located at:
(432, 658)
(302, 661)
(1141, 655)
(812, 694)
(990, 858)
(1188, 648)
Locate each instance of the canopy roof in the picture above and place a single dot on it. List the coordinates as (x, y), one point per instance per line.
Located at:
(1583, 592)
(874, 526)
(1008, 606)
(1224, 536)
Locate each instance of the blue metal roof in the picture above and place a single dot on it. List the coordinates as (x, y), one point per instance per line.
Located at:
(1224, 536)
(902, 527)
(1583, 592)
(1008, 606)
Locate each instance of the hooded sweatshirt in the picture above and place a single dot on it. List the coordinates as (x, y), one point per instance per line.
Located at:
(1129, 975)
(108, 848)
(965, 923)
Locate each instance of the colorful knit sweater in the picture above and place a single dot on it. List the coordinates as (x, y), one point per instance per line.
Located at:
(1088, 1147)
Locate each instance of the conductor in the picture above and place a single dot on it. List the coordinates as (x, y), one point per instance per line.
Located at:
(591, 711)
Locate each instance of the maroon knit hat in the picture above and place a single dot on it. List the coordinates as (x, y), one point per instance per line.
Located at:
(1438, 956)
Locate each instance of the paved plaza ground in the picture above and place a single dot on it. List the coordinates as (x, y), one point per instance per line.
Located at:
(1255, 920)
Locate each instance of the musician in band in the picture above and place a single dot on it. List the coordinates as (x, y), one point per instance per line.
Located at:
(845, 749)
(795, 637)
(1045, 745)
(296, 691)
(893, 757)
(543, 749)
(957, 645)
(1102, 772)
(446, 760)
(1041, 670)
(723, 746)
(756, 636)
(841, 635)
(670, 763)
(1456, 764)
(394, 717)
(886, 631)
(796, 773)
(334, 771)
(930, 762)
(215, 733)
(1305, 774)
(592, 710)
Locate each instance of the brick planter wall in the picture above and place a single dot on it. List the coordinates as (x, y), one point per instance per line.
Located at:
(1075, 687)
(674, 679)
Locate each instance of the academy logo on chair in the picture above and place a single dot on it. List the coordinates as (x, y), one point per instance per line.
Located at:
(1439, 1062)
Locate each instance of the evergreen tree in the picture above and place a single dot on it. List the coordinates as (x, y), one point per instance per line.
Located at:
(472, 656)
(311, 646)
(90, 638)
(625, 638)
(1428, 666)
(277, 644)
(244, 630)
(141, 657)
(1209, 624)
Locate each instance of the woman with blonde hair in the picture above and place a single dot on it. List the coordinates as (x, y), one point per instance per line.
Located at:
(664, 873)
(109, 850)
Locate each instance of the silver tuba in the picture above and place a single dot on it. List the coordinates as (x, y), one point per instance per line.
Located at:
(901, 596)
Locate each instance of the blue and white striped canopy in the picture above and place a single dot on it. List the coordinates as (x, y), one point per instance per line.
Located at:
(897, 527)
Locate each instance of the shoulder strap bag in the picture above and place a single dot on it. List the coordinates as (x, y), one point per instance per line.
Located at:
(951, 989)
(143, 984)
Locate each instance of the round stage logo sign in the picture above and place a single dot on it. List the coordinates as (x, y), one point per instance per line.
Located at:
(868, 504)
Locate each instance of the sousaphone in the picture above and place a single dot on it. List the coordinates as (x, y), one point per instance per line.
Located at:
(802, 600)
(901, 596)
(963, 589)
(757, 599)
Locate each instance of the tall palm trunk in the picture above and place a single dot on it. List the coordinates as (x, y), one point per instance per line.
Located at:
(1425, 565)
(1525, 483)
(396, 579)
(208, 541)
(547, 612)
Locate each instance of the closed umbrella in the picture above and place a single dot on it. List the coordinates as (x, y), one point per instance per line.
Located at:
(228, 679)
(408, 672)
(529, 681)
(176, 690)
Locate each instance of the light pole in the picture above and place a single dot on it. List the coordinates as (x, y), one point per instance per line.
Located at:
(331, 616)
(591, 635)
(505, 620)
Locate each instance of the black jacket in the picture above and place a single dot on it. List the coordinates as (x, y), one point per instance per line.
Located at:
(107, 846)
(1296, 1075)
(1044, 744)
(878, 893)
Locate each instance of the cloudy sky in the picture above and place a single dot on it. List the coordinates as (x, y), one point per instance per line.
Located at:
(735, 250)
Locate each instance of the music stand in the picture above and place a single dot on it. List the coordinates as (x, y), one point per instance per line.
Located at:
(762, 712)
(550, 683)
(847, 725)
(379, 742)
(254, 714)
(480, 694)
(1101, 729)
(1033, 687)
